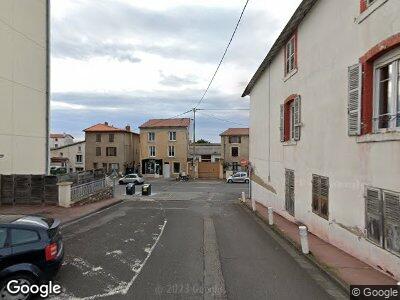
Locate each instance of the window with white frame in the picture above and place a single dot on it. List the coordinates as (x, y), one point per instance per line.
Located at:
(172, 136)
(171, 151)
(290, 55)
(152, 151)
(387, 92)
(151, 136)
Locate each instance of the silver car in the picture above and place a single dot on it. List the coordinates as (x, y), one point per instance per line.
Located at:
(238, 177)
(132, 178)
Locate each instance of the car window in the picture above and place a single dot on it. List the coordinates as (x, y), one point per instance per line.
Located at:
(22, 236)
(3, 237)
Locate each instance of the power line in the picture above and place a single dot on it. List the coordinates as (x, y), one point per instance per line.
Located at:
(223, 56)
(224, 120)
(222, 109)
(179, 115)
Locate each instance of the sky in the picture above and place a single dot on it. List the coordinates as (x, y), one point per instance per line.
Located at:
(126, 61)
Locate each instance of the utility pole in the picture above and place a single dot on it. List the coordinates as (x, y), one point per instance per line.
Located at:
(194, 135)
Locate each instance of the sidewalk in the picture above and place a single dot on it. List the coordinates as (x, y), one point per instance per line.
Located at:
(65, 215)
(345, 269)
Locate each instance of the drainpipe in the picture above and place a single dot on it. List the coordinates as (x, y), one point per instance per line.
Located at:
(269, 124)
(48, 20)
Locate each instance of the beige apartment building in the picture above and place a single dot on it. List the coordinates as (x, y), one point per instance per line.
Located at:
(235, 148)
(24, 87)
(111, 148)
(164, 147)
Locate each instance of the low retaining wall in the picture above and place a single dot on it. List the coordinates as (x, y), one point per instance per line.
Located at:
(106, 193)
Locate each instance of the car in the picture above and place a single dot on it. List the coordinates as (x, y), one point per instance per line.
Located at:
(132, 178)
(31, 251)
(238, 177)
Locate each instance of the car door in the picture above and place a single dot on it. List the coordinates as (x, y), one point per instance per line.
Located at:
(236, 177)
(26, 246)
(5, 249)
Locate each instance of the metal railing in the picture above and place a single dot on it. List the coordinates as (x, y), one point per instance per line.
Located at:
(83, 191)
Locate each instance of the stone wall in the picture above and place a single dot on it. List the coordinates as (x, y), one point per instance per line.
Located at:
(106, 193)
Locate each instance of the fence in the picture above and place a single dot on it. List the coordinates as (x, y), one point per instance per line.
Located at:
(28, 189)
(81, 177)
(80, 192)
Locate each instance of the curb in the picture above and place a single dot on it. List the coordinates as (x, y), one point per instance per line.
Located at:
(70, 222)
(342, 284)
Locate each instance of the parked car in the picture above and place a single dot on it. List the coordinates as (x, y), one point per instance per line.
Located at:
(132, 178)
(31, 251)
(238, 177)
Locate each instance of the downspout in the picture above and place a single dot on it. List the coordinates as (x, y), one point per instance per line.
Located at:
(48, 20)
(269, 124)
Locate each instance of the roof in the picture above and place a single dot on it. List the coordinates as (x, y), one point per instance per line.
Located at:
(59, 135)
(298, 16)
(159, 123)
(58, 159)
(104, 127)
(236, 131)
(69, 145)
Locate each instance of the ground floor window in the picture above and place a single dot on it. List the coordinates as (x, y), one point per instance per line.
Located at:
(206, 158)
(114, 167)
(235, 166)
(152, 166)
(320, 196)
(289, 191)
(382, 218)
(177, 167)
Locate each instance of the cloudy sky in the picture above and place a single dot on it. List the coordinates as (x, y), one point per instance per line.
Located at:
(125, 61)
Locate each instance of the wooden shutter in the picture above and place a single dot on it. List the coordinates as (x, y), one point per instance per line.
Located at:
(354, 99)
(316, 187)
(391, 216)
(373, 215)
(282, 123)
(297, 118)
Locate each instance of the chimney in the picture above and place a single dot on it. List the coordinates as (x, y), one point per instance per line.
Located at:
(128, 128)
(106, 123)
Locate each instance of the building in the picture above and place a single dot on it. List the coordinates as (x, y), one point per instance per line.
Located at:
(235, 148)
(324, 128)
(206, 152)
(60, 139)
(71, 156)
(111, 148)
(164, 146)
(24, 87)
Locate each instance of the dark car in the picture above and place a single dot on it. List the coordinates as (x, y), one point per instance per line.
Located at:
(31, 250)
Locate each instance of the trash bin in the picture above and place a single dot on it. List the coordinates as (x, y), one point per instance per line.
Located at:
(146, 189)
(130, 189)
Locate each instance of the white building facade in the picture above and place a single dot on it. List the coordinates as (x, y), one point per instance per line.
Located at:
(60, 139)
(72, 155)
(325, 126)
(24, 87)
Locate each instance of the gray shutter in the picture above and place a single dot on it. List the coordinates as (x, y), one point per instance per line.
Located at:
(316, 187)
(373, 215)
(354, 99)
(282, 123)
(324, 197)
(391, 216)
(297, 118)
(289, 186)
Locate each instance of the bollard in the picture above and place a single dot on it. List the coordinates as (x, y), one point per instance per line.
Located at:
(270, 216)
(253, 204)
(304, 239)
(243, 197)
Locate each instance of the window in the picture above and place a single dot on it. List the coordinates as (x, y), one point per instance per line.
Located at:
(235, 151)
(111, 137)
(171, 151)
(235, 166)
(78, 169)
(3, 237)
(290, 55)
(289, 191)
(290, 119)
(56, 145)
(104, 166)
(95, 165)
(151, 136)
(79, 149)
(235, 139)
(79, 158)
(172, 136)
(56, 139)
(387, 95)
(320, 196)
(152, 151)
(114, 167)
(177, 167)
(382, 218)
(111, 151)
(61, 154)
(98, 151)
(22, 236)
(98, 137)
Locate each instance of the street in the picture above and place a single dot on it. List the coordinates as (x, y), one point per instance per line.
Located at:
(187, 240)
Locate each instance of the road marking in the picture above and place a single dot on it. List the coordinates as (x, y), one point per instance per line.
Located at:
(214, 284)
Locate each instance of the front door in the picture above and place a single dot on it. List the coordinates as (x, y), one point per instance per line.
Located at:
(167, 170)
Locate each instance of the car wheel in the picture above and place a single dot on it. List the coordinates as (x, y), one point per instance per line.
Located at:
(22, 279)
(230, 181)
(246, 181)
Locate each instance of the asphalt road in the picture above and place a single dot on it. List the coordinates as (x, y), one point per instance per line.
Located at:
(186, 241)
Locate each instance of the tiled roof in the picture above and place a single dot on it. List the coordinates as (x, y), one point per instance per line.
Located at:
(236, 131)
(104, 127)
(59, 135)
(154, 123)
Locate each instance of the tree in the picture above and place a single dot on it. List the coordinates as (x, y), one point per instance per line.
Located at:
(202, 141)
